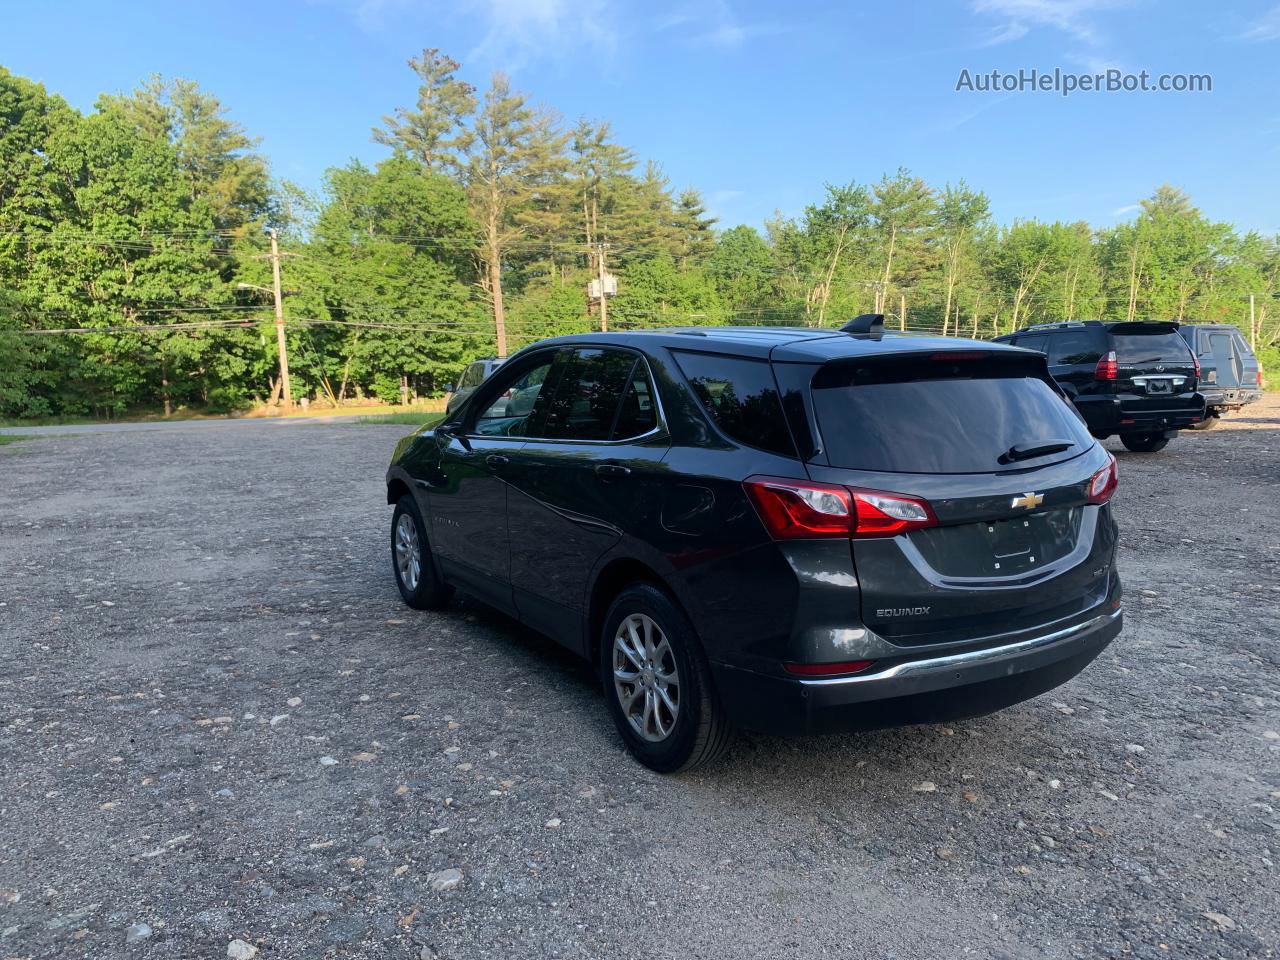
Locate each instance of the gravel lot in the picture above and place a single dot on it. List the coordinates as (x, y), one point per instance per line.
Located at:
(220, 724)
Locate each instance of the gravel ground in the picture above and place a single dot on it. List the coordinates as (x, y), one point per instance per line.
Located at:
(220, 724)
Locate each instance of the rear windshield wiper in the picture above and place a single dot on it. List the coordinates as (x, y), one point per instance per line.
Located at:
(1148, 360)
(1031, 450)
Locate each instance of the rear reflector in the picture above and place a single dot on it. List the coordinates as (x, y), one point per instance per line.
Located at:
(1103, 483)
(1107, 368)
(827, 669)
(805, 510)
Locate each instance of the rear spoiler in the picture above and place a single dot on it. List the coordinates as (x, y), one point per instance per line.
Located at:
(868, 325)
(1144, 326)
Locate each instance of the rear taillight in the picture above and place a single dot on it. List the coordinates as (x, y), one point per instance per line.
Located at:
(1259, 379)
(804, 510)
(1196, 361)
(1107, 368)
(879, 514)
(1103, 483)
(827, 669)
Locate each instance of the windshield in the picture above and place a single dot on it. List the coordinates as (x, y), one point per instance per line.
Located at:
(903, 423)
(1151, 348)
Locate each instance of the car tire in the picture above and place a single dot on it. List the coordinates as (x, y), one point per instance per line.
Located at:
(1145, 442)
(666, 654)
(1208, 423)
(411, 561)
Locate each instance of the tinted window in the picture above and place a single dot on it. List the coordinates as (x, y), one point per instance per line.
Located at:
(512, 410)
(741, 396)
(1151, 347)
(473, 375)
(638, 414)
(1038, 342)
(588, 395)
(1075, 346)
(918, 416)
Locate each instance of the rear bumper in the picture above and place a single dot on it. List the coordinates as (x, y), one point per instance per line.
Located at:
(1230, 398)
(923, 690)
(1133, 414)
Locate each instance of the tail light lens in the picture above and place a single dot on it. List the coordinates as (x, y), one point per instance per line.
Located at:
(1107, 368)
(1259, 378)
(1103, 483)
(1196, 361)
(804, 510)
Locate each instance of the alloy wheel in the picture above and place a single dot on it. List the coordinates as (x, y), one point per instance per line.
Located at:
(646, 678)
(408, 552)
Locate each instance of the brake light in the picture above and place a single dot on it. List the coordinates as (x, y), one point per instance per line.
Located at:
(1107, 368)
(1103, 483)
(1196, 361)
(827, 669)
(804, 510)
(1259, 378)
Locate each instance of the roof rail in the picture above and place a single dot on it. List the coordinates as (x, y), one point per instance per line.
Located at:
(1060, 325)
(868, 325)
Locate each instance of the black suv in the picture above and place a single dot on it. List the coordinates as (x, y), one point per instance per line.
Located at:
(787, 530)
(1137, 380)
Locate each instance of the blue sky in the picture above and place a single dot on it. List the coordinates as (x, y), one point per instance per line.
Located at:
(756, 104)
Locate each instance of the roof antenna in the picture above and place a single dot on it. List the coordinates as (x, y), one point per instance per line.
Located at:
(869, 325)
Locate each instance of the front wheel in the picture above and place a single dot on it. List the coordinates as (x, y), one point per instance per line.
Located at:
(1145, 442)
(658, 683)
(420, 585)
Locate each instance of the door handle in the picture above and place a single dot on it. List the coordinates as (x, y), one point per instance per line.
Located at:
(611, 471)
(496, 460)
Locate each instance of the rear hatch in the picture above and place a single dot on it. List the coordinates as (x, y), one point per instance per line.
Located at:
(1154, 365)
(1004, 465)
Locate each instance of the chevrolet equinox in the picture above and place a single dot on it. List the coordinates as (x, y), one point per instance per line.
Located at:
(786, 530)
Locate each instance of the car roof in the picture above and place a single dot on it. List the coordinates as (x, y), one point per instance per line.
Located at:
(780, 344)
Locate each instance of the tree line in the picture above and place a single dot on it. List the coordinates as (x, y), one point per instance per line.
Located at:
(132, 242)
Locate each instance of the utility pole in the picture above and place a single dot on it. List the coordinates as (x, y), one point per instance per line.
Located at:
(604, 294)
(280, 341)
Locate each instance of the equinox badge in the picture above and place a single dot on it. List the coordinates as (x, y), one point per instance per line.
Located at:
(1028, 500)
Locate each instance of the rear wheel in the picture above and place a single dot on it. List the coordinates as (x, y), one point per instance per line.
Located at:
(415, 570)
(658, 683)
(1145, 442)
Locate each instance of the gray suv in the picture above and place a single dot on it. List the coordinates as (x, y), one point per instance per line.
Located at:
(475, 374)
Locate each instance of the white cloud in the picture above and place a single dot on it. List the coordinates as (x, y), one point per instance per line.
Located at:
(1121, 211)
(1013, 30)
(1072, 17)
(1266, 27)
(713, 23)
(519, 31)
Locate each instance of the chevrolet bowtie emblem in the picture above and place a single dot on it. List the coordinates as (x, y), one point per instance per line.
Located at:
(1028, 500)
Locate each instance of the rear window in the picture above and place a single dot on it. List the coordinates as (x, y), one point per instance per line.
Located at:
(1150, 347)
(741, 396)
(921, 416)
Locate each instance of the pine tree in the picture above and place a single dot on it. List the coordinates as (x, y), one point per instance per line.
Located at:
(435, 132)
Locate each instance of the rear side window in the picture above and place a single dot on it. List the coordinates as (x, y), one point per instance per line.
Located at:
(917, 415)
(742, 398)
(1151, 347)
(1075, 346)
(588, 396)
(1037, 342)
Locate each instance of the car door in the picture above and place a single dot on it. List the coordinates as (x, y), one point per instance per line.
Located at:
(575, 483)
(467, 492)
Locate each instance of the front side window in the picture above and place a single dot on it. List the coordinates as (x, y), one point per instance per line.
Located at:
(741, 396)
(511, 412)
(589, 394)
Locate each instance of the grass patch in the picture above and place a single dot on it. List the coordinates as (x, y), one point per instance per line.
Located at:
(9, 438)
(408, 419)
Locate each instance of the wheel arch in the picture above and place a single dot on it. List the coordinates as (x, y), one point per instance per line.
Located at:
(614, 577)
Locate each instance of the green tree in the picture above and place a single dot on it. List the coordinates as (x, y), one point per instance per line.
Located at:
(742, 269)
(435, 132)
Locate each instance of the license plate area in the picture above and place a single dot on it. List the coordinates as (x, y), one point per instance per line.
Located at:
(1159, 386)
(1012, 544)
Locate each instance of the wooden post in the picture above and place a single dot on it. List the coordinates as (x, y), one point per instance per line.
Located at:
(280, 341)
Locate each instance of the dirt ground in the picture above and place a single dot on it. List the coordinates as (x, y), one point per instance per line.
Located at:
(221, 724)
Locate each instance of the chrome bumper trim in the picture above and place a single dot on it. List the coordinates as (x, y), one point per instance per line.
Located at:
(971, 658)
